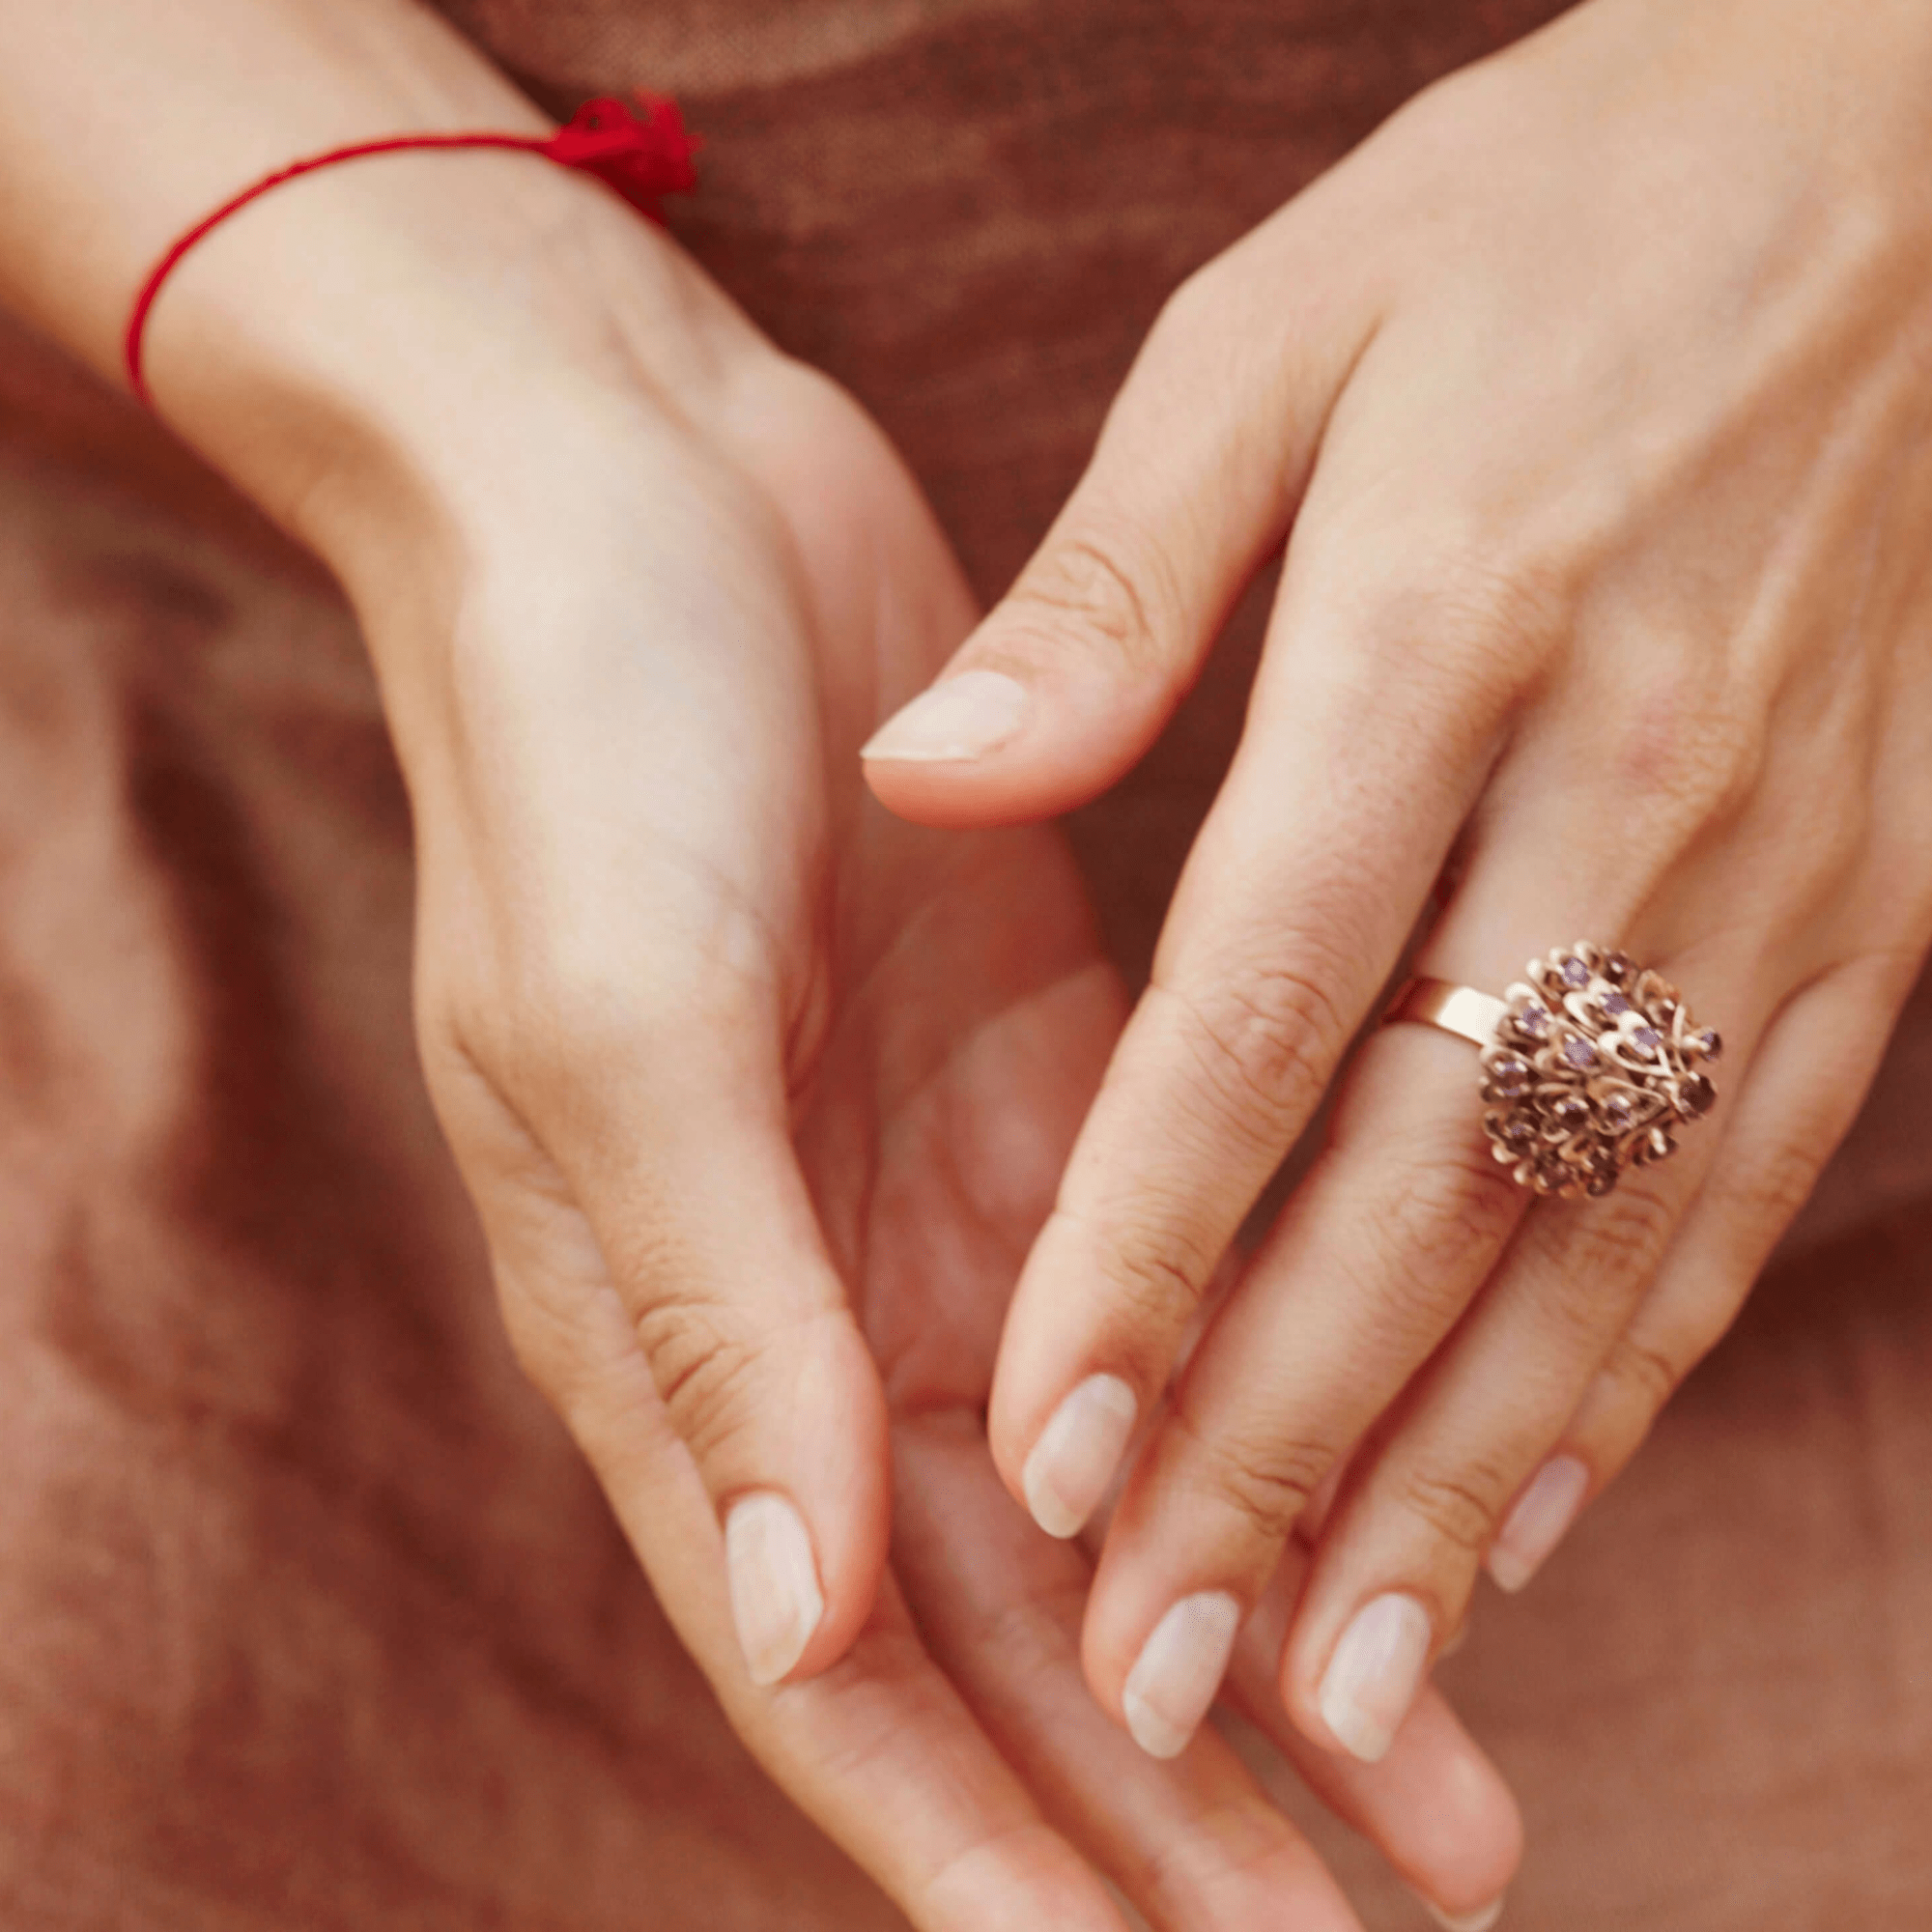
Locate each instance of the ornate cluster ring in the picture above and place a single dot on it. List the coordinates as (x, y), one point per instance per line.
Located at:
(1585, 1069)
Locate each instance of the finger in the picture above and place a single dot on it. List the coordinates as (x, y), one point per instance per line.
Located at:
(667, 1168)
(1380, 1255)
(881, 1752)
(1299, 898)
(1195, 1845)
(1373, 1261)
(1497, 1453)
(1804, 1091)
(1427, 1502)
(1435, 1806)
(1384, 1247)
(1203, 454)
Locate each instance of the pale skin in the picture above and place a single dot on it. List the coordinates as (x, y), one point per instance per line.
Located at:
(761, 1093)
(1593, 398)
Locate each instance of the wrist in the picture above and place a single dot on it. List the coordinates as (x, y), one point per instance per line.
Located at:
(351, 348)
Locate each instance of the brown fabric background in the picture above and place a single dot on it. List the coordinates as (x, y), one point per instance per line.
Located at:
(309, 1615)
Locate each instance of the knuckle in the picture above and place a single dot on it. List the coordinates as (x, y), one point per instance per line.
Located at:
(1459, 1507)
(1650, 1371)
(1437, 1234)
(1157, 1273)
(457, 1063)
(495, 1149)
(1266, 1038)
(1618, 1238)
(1264, 1482)
(574, 982)
(1688, 762)
(1474, 619)
(1594, 1264)
(1083, 577)
(704, 1373)
(609, 1006)
(586, 1028)
(1500, 614)
(1766, 1192)
(1579, 1314)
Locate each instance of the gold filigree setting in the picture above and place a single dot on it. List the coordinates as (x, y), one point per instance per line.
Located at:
(1595, 1062)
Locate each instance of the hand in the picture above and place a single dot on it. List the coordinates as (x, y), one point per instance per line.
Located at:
(748, 1081)
(1596, 391)
(760, 1094)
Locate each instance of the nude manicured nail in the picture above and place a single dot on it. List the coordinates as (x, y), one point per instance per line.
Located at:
(962, 717)
(1178, 1672)
(1077, 1453)
(1373, 1677)
(1537, 1524)
(776, 1601)
(1468, 1921)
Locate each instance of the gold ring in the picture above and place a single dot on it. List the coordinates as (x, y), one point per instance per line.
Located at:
(1587, 1068)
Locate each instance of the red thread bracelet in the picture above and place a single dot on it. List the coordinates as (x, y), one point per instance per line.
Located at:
(640, 157)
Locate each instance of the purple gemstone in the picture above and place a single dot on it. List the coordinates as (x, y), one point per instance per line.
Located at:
(1571, 1112)
(1510, 1075)
(1533, 1022)
(1574, 973)
(1647, 1040)
(1580, 1052)
(1518, 1131)
(1709, 1044)
(1618, 1110)
(1614, 1006)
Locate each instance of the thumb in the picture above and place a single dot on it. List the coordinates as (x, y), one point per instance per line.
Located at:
(1070, 678)
(674, 1209)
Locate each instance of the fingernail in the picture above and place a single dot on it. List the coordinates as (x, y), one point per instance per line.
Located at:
(1077, 1453)
(1468, 1921)
(960, 716)
(776, 1601)
(1178, 1672)
(1537, 1524)
(1373, 1677)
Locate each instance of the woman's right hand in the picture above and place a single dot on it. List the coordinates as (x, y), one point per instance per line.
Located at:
(761, 1093)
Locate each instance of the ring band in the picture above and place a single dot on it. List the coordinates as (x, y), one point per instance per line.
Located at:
(1585, 1069)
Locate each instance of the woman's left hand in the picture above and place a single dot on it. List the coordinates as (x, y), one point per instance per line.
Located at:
(1598, 390)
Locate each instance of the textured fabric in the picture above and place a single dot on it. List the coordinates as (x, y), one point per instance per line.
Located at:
(308, 1614)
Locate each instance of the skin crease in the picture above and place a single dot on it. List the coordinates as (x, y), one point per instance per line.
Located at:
(760, 1094)
(1596, 388)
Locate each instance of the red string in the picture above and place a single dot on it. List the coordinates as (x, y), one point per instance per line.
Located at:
(640, 157)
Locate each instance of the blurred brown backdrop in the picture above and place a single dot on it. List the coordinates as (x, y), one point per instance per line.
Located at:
(308, 1616)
